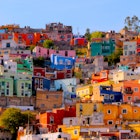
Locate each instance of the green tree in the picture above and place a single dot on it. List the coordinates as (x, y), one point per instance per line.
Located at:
(132, 23)
(114, 58)
(39, 61)
(88, 34)
(32, 47)
(12, 118)
(96, 34)
(48, 43)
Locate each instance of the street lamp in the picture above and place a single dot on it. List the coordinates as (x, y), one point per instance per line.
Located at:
(28, 121)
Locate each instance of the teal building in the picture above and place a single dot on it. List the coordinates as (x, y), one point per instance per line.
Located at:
(25, 66)
(104, 48)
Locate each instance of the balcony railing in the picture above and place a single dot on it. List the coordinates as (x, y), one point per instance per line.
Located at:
(126, 91)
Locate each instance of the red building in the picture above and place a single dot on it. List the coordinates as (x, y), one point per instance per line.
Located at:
(52, 119)
(4, 36)
(38, 71)
(29, 38)
(78, 42)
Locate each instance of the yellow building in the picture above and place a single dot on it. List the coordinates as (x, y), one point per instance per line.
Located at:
(113, 114)
(117, 114)
(91, 91)
(84, 91)
(87, 109)
(97, 85)
(74, 131)
(129, 112)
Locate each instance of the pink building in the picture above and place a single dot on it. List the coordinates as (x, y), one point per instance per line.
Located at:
(59, 32)
(44, 52)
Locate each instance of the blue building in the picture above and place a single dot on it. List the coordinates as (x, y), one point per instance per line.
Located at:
(41, 83)
(61, 62)
(109, 95)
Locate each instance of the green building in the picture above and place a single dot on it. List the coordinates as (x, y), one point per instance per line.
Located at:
(23, 86)
(104, 48)
(25, 65)
(19, 85)
(6, 86)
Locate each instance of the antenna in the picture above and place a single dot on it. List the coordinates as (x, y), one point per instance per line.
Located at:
(78, 31)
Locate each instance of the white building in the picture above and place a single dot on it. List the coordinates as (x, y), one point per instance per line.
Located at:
(129, 47)
(10, 66)
(8, 43)
(47, 136)
(95, 119)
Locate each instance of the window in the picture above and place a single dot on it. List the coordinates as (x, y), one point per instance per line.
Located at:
(36, 81)
(7, 91)
(81, 107)
(111, 97)
(88, 120)
(7, 84)
(75, 132)
(106, 96)
(29, 86)
(95, 107)
(41, 81)
(42, 105)
(130, 52)
(124, 111)
(110, 122)
(51, 119)
(60, 61)
(125, 47)
(68, 62)
(2, 83)
(22, 92)
(72, 89)
(136, 89)
(109, 111)
(125, 53)
(136, 98)
(70, 122)
(129, 98)
(5, 52)
(66, 53)
(22, 85)
(7, 45)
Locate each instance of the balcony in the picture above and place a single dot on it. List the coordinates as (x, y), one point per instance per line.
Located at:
(128, 90)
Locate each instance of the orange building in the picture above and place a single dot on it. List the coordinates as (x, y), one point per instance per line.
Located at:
(131, 92)
(9, 27)
(102, 76)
